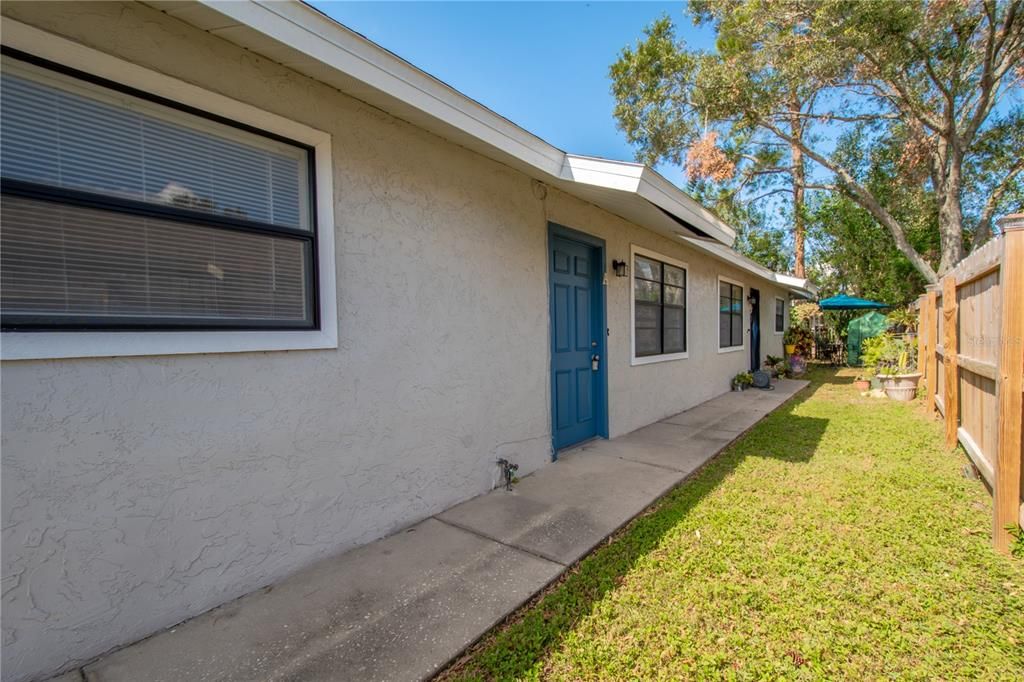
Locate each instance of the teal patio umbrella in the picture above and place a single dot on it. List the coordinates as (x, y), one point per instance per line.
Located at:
(844, 302)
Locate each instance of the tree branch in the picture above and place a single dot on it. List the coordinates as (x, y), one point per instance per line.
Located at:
(825, 117)
(902, 99)
(984, 228)
(866, 199)
(781, 190)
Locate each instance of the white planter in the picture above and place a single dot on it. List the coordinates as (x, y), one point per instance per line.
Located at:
(902, 387)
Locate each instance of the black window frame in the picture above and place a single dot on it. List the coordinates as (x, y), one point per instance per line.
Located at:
(730, 313)
(661, 305)
(780, 315)
(85, 199)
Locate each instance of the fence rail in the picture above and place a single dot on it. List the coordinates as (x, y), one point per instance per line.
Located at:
(971, 345)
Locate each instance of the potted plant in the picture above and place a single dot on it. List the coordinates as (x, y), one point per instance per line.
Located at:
(897, 368)
(742, 380)
(789, 341)
(775, 366)
(798, 341)
(862, 383)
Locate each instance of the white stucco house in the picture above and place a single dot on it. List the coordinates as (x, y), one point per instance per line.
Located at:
(269, 292)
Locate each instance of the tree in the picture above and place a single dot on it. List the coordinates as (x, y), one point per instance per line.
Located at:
(751, 169)
(764, 245)
(937, 74)
(853, 252)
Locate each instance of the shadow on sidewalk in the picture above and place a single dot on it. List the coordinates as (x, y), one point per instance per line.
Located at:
(526, 636)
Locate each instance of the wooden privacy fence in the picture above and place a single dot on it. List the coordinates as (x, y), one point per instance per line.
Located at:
(971, 343)
(971, 336)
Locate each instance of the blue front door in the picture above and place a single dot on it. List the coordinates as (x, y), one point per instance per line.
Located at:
(755, 330)
(577, 341)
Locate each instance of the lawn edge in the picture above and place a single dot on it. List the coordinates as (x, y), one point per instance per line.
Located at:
(458, 661)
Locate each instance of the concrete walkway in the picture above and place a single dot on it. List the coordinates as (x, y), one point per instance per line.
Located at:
(402, 607)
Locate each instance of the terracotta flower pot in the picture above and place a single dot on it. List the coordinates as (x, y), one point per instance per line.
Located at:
(862, 384)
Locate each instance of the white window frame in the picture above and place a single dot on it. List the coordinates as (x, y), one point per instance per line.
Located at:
(635, 251)
(744, 315)
(785, 316)
(15, 345)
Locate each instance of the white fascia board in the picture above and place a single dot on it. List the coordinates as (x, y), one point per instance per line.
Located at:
(603, 173)
(307, 30)
(662, 193)
(798, 284)
(648, 184)
(311, 34)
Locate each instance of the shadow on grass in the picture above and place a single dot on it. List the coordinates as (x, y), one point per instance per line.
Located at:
(512, 649)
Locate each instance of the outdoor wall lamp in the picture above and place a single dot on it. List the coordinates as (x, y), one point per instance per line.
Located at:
(620, 267)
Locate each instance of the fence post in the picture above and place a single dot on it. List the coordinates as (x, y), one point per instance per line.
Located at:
(951, 397)
(930, 362)
(922, 338)
(1010, 383)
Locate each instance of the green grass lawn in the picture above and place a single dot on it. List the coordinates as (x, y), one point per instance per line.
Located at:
(838, 539)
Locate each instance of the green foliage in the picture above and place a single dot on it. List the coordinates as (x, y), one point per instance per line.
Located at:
(904, 319)
(855, 254)
(890, 355)
(800, 337)
(767, 246)
(743, 379)
(777, 365)
(800, 313)
(837, 540)
(873, 350)
(1017, 546)
(918, 84)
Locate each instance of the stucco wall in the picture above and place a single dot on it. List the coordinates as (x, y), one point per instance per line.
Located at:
(140, 491)
(641, 394)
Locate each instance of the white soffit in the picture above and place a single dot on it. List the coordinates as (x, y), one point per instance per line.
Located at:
(309, 42)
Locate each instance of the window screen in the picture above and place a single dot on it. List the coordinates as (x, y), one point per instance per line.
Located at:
(122, 212)
(659, 293)
(780, 315)
(730, 315)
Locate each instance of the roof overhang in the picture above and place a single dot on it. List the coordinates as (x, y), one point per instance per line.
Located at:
(309, 42)
(798, 286)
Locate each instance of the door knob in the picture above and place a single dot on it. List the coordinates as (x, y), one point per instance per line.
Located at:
(595, 362)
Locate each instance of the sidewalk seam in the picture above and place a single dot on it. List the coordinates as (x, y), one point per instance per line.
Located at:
(484, 536)
(663, 467)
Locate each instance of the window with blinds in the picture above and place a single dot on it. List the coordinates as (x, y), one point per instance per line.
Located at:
(659, 308)
(124, 212)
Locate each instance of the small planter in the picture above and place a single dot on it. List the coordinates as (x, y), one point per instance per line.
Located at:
(862, 385)
(902, 387)
(790, 348)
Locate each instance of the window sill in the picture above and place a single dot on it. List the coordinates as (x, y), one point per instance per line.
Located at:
(731, 349)
(779, 333)
(652, 359)
(55, 345)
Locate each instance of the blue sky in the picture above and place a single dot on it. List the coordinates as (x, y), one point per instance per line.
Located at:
(542, 65)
